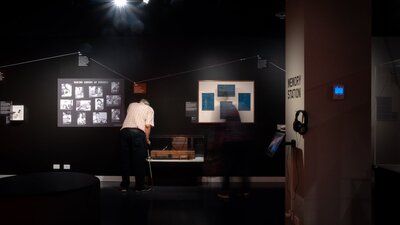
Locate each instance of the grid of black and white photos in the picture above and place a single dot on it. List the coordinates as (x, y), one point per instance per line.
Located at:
(90, 102)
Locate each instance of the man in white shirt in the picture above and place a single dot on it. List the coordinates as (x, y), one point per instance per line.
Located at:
(135, 134)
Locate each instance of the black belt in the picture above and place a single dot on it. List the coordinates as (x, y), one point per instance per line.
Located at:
(134, 128)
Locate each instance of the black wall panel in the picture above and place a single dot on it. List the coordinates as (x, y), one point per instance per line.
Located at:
(37, 143)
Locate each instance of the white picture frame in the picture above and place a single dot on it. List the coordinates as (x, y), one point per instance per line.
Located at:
(214, 94)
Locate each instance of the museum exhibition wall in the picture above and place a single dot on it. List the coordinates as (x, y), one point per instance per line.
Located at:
(53, 132)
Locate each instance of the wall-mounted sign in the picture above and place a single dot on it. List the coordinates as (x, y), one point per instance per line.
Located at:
(294, 87)
(191, 111)
(140, 88)
(5, 107)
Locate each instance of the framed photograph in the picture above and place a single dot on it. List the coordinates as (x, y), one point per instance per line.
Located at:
(99, 118)
(113, 100)
(81, 119)
(66, 90)
(98, 104)
(79, 92)
(66, 104)
(115, 114)
(67, 117)
(95, 91)
(115, 86)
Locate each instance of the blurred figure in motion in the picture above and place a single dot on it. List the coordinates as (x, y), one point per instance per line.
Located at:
(233, 141)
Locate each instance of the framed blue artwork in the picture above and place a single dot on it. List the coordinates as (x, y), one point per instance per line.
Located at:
(207, 102)
(244, 101)
(226, 90)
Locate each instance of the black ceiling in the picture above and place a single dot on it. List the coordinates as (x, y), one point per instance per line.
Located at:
(80, 18)
(160, 17)
(386, 17)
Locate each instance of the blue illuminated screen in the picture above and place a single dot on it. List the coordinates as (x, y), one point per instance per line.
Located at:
(338, 90)
(275, 143)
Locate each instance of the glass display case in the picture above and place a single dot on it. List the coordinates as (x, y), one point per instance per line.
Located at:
(180, 148)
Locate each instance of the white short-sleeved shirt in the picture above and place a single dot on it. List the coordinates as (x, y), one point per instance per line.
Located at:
(138, 115)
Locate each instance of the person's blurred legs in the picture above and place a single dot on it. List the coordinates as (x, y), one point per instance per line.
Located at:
(227, 169)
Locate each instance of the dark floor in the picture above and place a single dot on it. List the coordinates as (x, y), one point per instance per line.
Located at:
(191, 205)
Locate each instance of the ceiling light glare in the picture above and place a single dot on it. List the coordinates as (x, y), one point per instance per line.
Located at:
(120, 3)
(146, 1)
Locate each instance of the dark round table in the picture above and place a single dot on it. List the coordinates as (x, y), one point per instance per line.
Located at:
(55, 198)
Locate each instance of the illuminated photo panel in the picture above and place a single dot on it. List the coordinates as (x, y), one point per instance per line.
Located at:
(90, 102)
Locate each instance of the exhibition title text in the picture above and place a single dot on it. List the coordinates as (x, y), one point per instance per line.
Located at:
(90, 82)
(294, 90)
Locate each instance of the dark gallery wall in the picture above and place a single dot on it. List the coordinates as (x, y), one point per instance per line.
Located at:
(37, 143)
(169, 44)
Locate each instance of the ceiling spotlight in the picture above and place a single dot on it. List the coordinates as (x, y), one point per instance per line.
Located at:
(120, 3)
(146, 1)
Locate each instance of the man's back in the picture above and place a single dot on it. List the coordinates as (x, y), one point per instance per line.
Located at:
(138, 115)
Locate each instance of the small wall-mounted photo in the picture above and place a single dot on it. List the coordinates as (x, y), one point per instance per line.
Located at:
(17, 113)
(115, 87)
(66, 104)
(66, 90)
(99, 104)
(115, 114)
(113, 100)
(95, 91)
(67, 117)
(81, 118)
(79, 92)
(99, 118)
